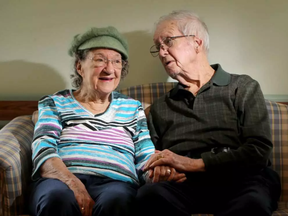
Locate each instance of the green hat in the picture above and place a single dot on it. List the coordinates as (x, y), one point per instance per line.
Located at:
(100, 38)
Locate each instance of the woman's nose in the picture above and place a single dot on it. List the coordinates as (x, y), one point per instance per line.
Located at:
(109, 67)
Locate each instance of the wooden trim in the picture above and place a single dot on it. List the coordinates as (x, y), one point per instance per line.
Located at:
(12, 109)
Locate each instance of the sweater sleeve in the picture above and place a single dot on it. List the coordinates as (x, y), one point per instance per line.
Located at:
(254, 132)
(144, 147)
(46, 134)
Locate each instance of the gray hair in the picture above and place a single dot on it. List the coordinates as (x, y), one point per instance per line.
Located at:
(81, 55)
(188, 23)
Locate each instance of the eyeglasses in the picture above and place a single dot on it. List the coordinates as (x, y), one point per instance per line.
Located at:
(101, 62)
(168, 41)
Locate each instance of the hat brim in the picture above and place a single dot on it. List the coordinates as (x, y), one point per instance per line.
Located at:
(105, 42)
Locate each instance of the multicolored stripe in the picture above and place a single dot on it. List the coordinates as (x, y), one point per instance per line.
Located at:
(115, 143)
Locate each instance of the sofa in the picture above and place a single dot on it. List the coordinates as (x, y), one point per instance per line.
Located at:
(16, 137)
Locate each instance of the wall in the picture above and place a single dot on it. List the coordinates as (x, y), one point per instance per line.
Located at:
(246, 37)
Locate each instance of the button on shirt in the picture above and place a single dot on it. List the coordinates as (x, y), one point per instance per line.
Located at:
(228, 111)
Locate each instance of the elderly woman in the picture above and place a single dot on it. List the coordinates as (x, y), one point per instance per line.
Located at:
(90, 143)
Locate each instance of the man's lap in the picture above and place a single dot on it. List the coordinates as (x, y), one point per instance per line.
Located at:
(203, 193)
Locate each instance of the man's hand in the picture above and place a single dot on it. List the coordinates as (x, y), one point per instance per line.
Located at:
(165, 173)
(178, 162)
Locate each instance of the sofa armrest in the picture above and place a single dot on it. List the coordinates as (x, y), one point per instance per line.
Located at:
(15, 164)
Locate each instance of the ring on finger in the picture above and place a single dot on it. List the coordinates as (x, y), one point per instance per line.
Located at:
(160, 156)
(169, 171)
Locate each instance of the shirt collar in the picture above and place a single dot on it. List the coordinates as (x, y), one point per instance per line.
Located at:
(220, 78)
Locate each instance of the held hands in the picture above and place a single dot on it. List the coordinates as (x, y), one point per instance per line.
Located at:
(178, 162)
(165, 173)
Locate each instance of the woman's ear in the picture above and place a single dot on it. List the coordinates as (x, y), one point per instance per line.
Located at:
(79, 68)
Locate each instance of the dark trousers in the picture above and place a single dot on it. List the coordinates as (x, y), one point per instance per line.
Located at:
(219, 195)
(51, 197)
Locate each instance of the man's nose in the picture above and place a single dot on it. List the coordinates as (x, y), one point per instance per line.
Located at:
(163, 51)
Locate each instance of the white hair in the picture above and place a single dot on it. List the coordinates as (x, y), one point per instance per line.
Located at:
(188, 23)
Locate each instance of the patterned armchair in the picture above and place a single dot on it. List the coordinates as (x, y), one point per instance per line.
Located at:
(16, 137)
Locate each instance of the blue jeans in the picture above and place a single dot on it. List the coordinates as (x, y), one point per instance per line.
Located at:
(51, 197)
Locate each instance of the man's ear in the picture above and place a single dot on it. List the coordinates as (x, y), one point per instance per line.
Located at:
(198, 44)
(198, 41)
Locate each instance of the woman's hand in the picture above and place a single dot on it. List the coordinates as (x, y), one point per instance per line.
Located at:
(55, 168)
(165, 173)
(178, 162)
(83, 198)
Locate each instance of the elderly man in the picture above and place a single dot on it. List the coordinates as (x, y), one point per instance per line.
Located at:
(213, 126)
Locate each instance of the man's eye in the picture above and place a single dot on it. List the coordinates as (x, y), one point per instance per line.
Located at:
(168, 41)
(157, 46)
(99, 60)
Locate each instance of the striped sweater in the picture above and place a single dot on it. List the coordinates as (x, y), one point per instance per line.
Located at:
(114, 144)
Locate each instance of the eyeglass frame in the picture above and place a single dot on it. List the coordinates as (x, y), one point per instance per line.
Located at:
(171, 39)
(105, 62)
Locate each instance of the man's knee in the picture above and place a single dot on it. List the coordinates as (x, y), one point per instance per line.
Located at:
(158, 199)
(250, 204)
(257, 204)
(149, 191)
(153, 196)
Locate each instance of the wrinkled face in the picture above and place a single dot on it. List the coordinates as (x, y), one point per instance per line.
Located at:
(180, 55)
(101, 71)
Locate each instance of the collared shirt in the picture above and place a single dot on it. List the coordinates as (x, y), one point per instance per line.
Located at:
(228, 111)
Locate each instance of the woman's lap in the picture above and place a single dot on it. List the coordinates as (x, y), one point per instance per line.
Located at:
(106, 192)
